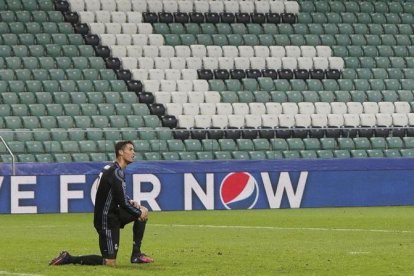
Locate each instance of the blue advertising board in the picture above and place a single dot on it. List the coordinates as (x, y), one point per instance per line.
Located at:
(209, 185)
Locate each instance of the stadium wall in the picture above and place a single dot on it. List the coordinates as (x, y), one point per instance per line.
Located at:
(208, 185)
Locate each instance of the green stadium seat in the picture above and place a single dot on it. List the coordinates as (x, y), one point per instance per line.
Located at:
(17, 147)
(107, 146)
(97, 157)
(44, 157)
(279, 144)
(342, 154)
(261, 96)
(170, 156)
(26, 158)
(278, 96)
(87, 146)
(192, 145)
(392, 153)
(9, 98)
(219, 39)
(295, 144)
(222, 155)
(291, 154)
(394, 142)
(159, 145)
(308, 154)
(204, 39)
(63, 157)
(34, 146)
(187, 155)
(203, 155)
(23, 134)
(227, 144)
(152, 156)
(375, 153)
(407, 153)
(94, 134)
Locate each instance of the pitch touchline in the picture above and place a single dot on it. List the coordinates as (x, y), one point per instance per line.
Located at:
(286, 228)
(18, 274)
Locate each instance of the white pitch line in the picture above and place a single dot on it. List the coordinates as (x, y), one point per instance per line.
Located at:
(18, 274)
(287, 228)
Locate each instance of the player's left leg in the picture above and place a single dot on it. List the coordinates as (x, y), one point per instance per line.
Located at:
(138, 234)
(138, 230)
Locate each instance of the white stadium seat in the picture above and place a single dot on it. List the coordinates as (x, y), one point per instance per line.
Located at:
(134, 51)
(186, 121)
(219, 120)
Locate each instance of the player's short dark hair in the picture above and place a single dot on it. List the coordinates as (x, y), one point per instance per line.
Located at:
(121, 145)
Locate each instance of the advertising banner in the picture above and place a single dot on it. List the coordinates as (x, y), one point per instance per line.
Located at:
(213, 185)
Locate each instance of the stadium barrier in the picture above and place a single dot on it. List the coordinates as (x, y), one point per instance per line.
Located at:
(208, 185)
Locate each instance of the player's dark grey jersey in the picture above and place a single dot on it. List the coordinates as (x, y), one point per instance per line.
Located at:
(110, 197)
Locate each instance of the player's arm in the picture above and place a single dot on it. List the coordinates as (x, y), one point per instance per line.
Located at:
(121, 197)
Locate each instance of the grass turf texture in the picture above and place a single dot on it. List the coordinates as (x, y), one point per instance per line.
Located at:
(341, 241)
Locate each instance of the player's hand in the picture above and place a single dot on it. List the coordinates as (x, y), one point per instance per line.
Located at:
(144, 214)
(134, 203)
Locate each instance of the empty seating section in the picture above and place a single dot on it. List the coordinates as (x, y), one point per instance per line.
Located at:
(206, 79)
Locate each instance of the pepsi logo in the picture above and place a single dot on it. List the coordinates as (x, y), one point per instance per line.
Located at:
(239, 190)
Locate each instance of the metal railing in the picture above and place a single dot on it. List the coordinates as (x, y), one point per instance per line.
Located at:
(12, 156)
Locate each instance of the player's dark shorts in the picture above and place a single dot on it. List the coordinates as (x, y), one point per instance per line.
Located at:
(109, 238)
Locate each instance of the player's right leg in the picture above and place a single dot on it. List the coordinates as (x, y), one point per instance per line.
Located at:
(65, 258)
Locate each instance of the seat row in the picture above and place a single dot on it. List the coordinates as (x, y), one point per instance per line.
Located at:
(167, 77)
(302, 121)
(79, 121)
(216, 155)
(357, 6)
(87, 109)
(52, 50)
(210, 145)
(29, 5)
(12, 91)
(67, 77)
(18, 27)
(269, 84)
(85, 136)
(378, 73)
(219, 17)
(33, 15)
(355, 17)
(198, 50)
(379, 62)
(59, 157)
(373, 51)
(253, 39)
(104, 16)
(340, 28)
(265, 28)
(245, 63)
(277, 39)
(55, 99)
(46, 62)
(315, 96)
(254, 108)
(345, 40)
(157, 6)
(41, 39)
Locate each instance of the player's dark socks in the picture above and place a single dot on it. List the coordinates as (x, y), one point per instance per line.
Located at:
(87, 260)
(138, 234)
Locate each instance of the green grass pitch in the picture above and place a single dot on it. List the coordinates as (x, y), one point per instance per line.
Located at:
(339, 241)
